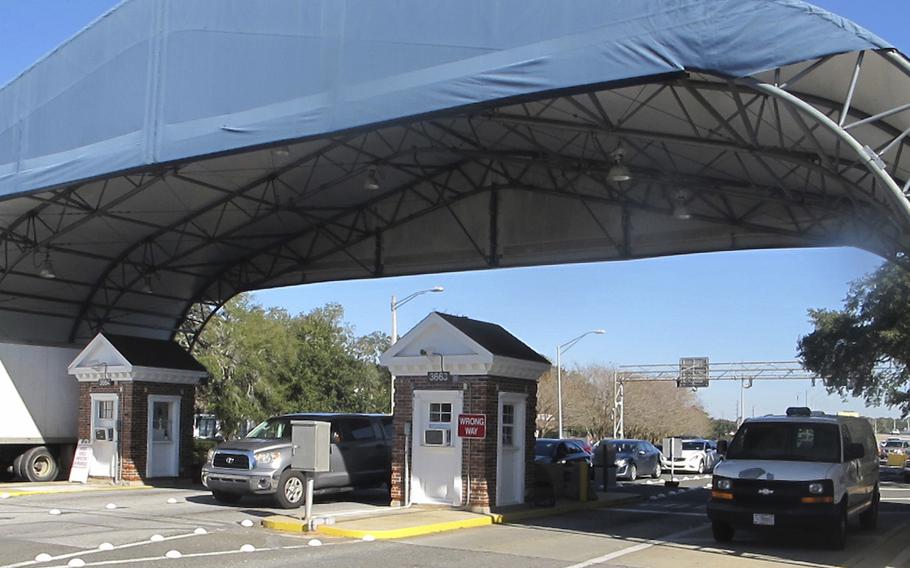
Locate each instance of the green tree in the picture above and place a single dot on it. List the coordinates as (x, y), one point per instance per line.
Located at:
(265, 362)
(864, 349)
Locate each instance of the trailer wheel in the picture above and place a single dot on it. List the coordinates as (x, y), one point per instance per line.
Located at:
(17, 467)
(38, 464)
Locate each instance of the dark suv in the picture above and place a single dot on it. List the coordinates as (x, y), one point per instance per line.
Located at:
(260, 463)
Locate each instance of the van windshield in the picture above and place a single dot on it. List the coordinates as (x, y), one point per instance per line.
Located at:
(272, 429)
(790, 441)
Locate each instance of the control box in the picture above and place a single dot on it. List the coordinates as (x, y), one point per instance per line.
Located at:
(311, 441)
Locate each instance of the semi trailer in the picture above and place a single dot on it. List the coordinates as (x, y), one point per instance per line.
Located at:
(39, 409)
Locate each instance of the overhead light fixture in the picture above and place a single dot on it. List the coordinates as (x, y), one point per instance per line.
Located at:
(680, 210)
(47, 269)
(147, 284)
(372, 181)
(619, 172)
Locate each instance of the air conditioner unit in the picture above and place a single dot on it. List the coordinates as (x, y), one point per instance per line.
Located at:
(437, 437)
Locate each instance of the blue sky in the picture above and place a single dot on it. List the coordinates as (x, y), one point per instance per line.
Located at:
(727, 306)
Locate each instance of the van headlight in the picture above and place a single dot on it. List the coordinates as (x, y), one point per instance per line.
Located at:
(271, 458)
(210, 455)
(816, 488)
(724, 484)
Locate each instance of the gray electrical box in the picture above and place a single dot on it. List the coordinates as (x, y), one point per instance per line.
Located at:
(312, 442)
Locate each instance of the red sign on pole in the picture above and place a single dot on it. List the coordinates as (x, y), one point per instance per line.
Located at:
(472, 426)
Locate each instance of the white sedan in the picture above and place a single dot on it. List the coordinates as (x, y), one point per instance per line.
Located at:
(699, 456)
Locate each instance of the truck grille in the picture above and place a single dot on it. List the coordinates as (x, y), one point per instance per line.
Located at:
(231, 461)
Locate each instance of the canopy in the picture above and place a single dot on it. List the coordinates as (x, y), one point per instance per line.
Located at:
(176, 152)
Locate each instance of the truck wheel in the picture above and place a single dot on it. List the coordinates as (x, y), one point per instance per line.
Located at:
(17, 467)
(224, 497)
(868, 519)
(722, 532)
(291, 490)
(38, 465)
(838, 536)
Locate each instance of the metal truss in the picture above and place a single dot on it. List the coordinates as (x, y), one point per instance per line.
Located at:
(744, 372)
(769, 160)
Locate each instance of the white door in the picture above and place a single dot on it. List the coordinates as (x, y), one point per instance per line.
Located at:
(104, 435)
(163, 436)
(436, 448)
(510, 462)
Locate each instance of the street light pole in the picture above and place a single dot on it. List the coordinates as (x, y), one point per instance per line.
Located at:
(559, 351)
(395, 304)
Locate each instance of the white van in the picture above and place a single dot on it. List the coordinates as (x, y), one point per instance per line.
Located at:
(803, 470)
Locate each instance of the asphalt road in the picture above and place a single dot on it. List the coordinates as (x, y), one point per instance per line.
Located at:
(664, 529)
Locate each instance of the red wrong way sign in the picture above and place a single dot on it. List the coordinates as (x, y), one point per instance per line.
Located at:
(472, 425)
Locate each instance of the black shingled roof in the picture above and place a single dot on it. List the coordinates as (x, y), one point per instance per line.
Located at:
(494, 338)
(144, 352)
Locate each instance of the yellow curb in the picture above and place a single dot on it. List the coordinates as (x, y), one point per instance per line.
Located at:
(291, 524)
(335, 530)
(282, 523)
(88, 489)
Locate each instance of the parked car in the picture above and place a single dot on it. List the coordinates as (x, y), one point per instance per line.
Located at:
(803, 470)
(260, 463)
(559, 450)
(697, 455)
(585, 445)
(894, 446)
(635, 458)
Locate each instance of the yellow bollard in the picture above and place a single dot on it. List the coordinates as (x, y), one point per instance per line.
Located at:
(582, 481)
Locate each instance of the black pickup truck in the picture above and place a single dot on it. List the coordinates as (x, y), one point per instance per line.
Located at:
(260, 463)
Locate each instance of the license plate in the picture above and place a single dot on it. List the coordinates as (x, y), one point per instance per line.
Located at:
(764, 520)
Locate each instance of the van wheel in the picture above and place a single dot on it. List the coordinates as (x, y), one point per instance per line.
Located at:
(291, 490)
(838, 537)
(633, 472)
(38, 465)
(701, 466)
(722, 531)
(225, 497)
(868, 519)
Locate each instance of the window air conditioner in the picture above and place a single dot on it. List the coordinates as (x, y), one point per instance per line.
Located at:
(437, 437)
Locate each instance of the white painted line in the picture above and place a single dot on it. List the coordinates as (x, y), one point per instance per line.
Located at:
(95, 551)
(199, 555)
(637, 548)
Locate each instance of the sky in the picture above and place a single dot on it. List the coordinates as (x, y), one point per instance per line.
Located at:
(734, 306)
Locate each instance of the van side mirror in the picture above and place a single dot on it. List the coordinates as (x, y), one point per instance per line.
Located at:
(854, 451)
(722, 446)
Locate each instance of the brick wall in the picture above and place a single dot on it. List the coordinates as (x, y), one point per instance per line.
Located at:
(134, 422)
(478, 456)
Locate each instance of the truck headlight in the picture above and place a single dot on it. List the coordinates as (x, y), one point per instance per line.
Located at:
(816, 488)
(271, 458)
(724, 484)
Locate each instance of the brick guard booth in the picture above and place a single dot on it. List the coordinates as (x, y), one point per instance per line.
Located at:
(136, 405)
(447, 366)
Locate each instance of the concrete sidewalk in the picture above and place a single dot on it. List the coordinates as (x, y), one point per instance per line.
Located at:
(9, 490)
(403, 523)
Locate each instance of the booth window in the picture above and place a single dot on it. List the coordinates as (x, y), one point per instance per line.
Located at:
(105, 409)
(508, 425)
(440, 412)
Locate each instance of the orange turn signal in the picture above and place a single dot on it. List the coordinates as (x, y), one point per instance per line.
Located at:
(827, 499)
(724, 495)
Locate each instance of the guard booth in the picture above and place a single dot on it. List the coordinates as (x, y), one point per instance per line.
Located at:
(465, 402)
(136, 405)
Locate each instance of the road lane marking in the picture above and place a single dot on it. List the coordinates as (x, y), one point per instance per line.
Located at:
(638, 547)
(95, 551)
(203, 554)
